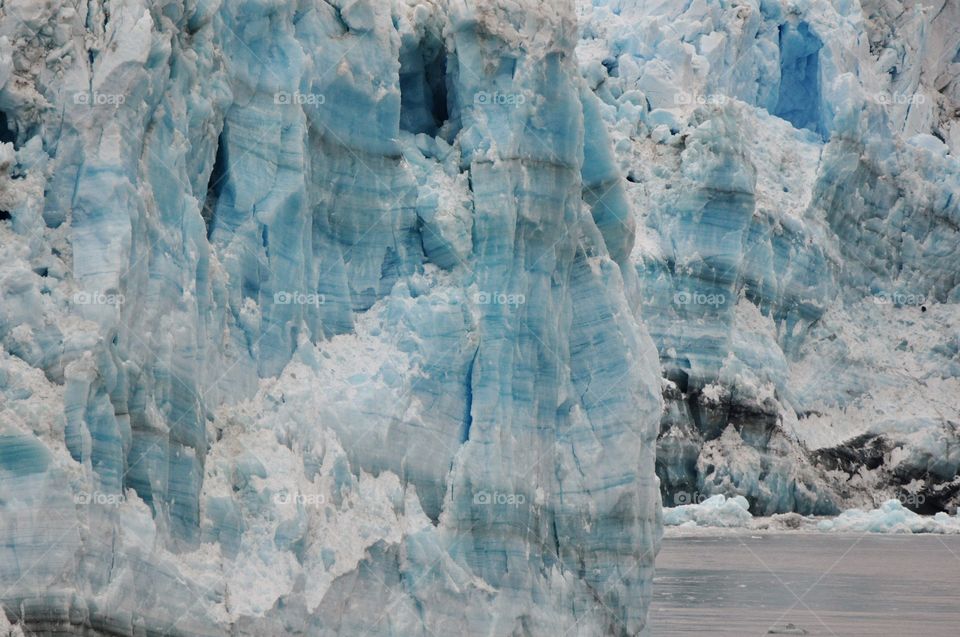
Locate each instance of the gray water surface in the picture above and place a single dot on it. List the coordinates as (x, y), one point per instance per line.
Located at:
(843, 585)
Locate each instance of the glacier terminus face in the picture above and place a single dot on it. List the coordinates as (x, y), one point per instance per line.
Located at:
(403, 317)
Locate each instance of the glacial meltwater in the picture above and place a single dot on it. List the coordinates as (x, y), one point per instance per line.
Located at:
(747, 585)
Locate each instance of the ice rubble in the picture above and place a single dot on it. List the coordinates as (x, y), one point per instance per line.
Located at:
(892, 516)
(715, 511)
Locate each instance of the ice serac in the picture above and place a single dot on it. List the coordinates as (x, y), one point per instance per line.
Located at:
(318, 318)
(793, 167)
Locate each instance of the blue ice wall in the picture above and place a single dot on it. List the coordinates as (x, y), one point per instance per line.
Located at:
(319, 318)
(799, 98)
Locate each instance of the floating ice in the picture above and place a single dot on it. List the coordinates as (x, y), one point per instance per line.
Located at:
(891, 517)
(716, 511)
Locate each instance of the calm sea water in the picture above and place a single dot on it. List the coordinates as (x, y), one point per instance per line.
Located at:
(843, 585)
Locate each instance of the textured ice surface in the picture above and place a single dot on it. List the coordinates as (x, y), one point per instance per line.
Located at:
(793, 167)
(338, 317)
(891, 517)
(715, 511)
(317, 318)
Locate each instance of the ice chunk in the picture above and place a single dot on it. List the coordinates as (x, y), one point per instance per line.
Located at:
(715, 511)
(891, 517)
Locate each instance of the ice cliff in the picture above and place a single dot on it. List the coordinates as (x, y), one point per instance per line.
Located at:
(793, 167)
(313, 322)
(361, 317)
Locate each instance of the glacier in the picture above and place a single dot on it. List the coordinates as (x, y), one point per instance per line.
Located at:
(313, 323)
(351, 317)
(793, 169)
